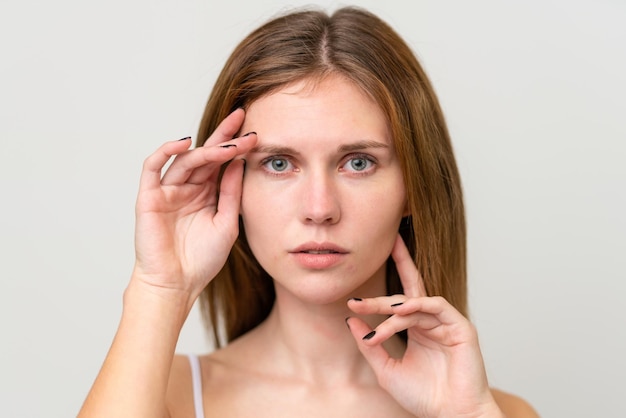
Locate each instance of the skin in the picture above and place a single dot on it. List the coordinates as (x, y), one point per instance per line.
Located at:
(324, 173)
(321, 174)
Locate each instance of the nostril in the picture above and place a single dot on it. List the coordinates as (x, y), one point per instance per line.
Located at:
(320, 202)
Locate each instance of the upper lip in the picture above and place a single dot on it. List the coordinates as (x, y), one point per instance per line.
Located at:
(319, 246)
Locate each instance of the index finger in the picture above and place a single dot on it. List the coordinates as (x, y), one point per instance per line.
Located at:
(227, 128)
(410, 277)
(152, 166)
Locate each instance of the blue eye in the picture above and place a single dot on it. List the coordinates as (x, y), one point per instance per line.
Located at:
(358, 164)
(276, 164)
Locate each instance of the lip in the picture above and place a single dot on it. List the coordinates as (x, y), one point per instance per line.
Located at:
(319, 246)
(317, 256)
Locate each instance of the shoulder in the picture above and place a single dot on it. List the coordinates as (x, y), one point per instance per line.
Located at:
(513, 406)
(179, 398)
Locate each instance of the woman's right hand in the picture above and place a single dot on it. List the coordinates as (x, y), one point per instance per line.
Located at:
(184, 230)
(187, 222)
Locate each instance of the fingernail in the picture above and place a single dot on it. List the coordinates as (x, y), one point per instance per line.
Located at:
(249, 133)
(182, 139)
(348, 325)
(228, 146)
(370, 335)
(356, 299)
(397, 304)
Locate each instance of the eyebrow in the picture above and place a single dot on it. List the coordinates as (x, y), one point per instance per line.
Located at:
(355, 146)
(360, 145)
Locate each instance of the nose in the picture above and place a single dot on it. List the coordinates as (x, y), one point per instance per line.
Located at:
(320, 200)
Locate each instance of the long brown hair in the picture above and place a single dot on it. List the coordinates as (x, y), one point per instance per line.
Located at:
(310, 44)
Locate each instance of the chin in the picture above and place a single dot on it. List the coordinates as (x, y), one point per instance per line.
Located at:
(324, 289)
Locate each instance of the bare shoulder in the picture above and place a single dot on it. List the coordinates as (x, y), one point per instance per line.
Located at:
(179, 398)
(513, 406)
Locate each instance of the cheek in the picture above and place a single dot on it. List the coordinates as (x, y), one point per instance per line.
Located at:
(262, 209)
(246, 198)
(256, 195)
(383, 225)
(251, 209)
(384, 214)
(252, 216)
(262, 213)
(385, 203)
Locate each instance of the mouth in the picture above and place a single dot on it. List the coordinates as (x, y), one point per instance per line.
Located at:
(318, 256)
(318, 248)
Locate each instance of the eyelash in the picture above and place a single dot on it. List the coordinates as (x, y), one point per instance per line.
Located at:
(266, 161)
(369, 160)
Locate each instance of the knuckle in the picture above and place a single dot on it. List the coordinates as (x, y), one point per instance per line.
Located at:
(440, 300)
(148, 161)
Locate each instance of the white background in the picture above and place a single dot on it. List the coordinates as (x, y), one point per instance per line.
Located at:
(534, 94)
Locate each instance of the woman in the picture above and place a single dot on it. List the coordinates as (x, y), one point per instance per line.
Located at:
(326, 194)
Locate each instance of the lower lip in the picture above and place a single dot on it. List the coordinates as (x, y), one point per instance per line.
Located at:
(318, 261)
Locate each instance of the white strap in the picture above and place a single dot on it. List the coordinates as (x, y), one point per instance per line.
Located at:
(196, 380)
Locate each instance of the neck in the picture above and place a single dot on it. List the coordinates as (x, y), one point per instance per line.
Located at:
(311, 340)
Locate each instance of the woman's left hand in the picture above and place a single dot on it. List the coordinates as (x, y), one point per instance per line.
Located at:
(441, 373)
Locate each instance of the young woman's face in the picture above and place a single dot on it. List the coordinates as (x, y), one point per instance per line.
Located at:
(323, 193)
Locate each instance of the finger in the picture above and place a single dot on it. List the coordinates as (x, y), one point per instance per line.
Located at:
(381, 305)
(433, 318)
(435, 305)
(152, 166)
(410, 277)
(375, 354)
(227, 128)
(242, 145)
(396, 323)
(230, 196)
(184, 165)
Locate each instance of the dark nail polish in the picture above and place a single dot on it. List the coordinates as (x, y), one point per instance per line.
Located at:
(249, 133)
(370, 335)
(228, 145)
(397, 304)
(356, 299)
(182, 139)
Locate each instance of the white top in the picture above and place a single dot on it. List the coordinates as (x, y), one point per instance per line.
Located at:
(196, 380)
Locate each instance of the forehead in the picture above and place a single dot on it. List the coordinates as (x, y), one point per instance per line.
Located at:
(333, 106)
